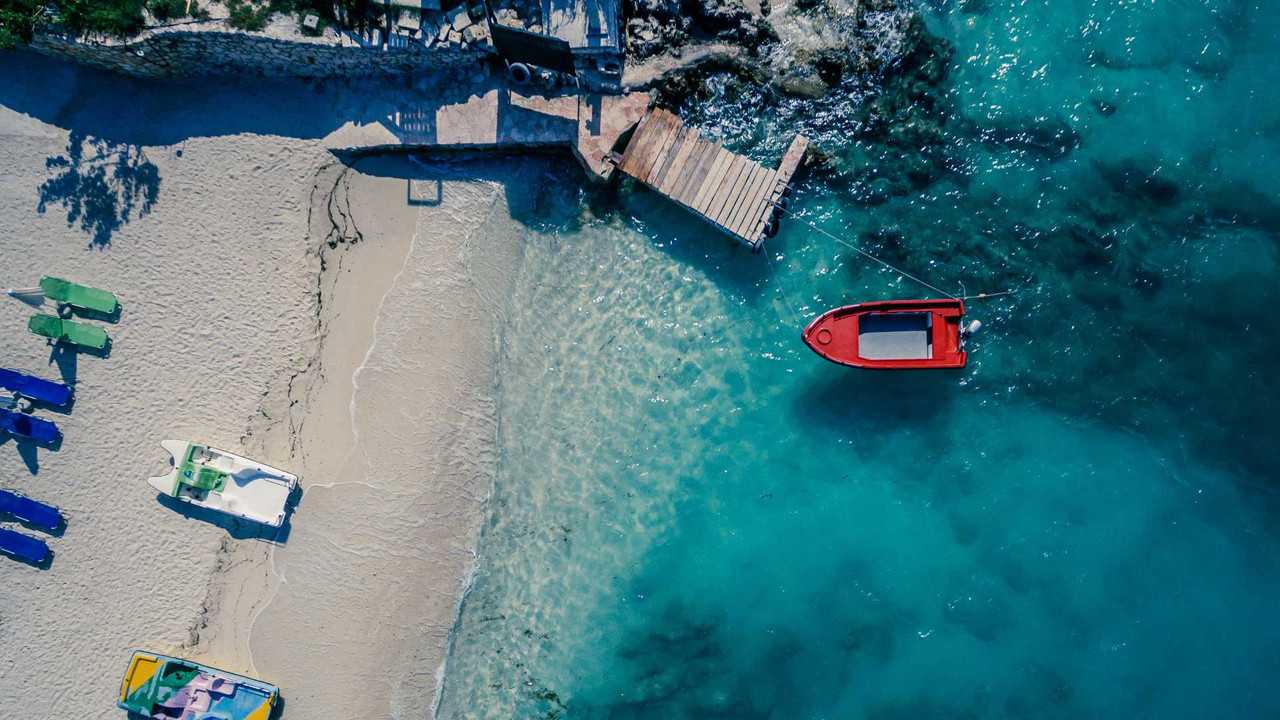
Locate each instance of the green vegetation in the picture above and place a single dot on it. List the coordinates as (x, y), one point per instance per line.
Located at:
(171, 10)
(21, 19)
(18, 19)
(247, 16)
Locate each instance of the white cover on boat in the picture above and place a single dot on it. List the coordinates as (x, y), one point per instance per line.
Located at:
(895, 336)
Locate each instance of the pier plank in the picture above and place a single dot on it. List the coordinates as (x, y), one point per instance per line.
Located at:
(660, 151)
(726, 187)
(748, 190)
(698, 167)
(728, 190)
(726, 213)
(663, 166)
(765, 211)
(748, 195)
(645, 158)
(657, 136)
(675, 173)
(735, 193)
(628, 153)
(711, 183)
(640, 143)
(792, 157)
(734, 185)
(754, 203)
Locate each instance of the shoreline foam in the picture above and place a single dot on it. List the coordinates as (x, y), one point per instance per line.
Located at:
(363, 576)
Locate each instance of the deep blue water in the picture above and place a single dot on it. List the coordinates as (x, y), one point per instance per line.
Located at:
(697, 518)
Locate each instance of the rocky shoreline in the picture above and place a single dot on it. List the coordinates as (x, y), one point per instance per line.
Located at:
(802, 48)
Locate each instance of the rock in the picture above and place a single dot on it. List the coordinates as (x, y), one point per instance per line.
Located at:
(721, 16)
(508, 18)
(661, 9)
(459, 18)
(443, 34)
(476, 34)
(803, 82)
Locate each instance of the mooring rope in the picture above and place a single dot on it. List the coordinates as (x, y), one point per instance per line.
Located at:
(900, 271)
(782, 292)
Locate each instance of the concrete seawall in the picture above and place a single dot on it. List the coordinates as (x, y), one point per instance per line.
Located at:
(212, 47)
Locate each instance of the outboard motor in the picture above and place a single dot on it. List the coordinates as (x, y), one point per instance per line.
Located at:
(969, 330)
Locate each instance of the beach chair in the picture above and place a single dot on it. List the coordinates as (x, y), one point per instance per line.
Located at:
(35, 514)
(38, 389)
(78, 296)
(29, 428)
(68, 331)
(23, 547)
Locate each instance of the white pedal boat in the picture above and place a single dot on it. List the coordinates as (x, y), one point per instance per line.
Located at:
(226, 482)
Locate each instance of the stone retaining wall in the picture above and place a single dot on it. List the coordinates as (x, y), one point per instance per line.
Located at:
(211, 47)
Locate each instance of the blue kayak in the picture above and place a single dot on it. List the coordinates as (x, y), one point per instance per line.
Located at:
(23, 547)
(38, 389)
(31, 428)
(36, 514)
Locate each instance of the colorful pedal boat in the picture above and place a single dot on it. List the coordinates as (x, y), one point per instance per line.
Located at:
(78, 296)
(168, 688)
(23, 547)
(226, 482)
(67, 331)
(29, 428)
(31, 512)
(38, 389)
(891, 334)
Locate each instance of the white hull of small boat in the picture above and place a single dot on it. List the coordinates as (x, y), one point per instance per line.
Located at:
(226, 482)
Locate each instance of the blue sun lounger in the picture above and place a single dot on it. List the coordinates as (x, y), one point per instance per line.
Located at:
(30, 428)
(35, 514)
(38, 389)
(23, 547)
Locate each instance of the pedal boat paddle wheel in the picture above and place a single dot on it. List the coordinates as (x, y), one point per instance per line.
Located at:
(893, 334)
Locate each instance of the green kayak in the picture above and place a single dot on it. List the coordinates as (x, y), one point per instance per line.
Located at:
(68, 331)
(77, 295)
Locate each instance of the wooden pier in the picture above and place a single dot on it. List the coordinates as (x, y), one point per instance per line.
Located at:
(732, 192)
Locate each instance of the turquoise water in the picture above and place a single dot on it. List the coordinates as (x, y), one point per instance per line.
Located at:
(697, 518)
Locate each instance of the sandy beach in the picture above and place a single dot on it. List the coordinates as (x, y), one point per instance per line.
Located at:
(339, 321)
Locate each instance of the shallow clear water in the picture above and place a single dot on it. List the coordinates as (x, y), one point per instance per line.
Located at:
(697, 518)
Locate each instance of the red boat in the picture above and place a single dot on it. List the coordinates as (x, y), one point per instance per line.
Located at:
(892, 334)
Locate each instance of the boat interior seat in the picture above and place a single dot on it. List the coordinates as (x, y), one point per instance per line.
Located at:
(896, 336)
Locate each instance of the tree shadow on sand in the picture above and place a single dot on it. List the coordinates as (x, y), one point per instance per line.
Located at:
(101, 185)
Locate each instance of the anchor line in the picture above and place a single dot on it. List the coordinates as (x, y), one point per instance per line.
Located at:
(782, 292)
(894, 268)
